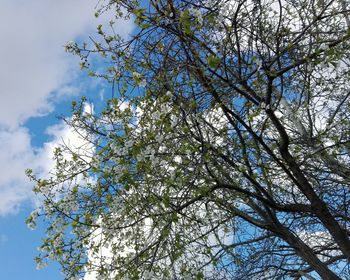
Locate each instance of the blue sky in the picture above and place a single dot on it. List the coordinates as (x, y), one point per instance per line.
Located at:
(38, 82)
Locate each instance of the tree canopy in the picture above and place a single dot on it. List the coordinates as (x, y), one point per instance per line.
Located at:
(224, 152)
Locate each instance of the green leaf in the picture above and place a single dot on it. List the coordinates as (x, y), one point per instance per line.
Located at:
(213, 61)
(186, 22)
(200, 276)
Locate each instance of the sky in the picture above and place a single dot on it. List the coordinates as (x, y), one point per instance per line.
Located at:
(38, 82)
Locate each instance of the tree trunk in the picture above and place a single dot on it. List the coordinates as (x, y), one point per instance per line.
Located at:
(306, 253)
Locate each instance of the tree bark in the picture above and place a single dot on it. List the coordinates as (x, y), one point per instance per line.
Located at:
(306, 253)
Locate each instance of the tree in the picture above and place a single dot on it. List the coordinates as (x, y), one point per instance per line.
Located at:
(223, 153)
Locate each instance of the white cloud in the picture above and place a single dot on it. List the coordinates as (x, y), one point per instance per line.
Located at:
(17, 154)
(31, 53)
(35, 69)
(62, 133)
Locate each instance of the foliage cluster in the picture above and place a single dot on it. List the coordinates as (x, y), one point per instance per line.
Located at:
(223, 153)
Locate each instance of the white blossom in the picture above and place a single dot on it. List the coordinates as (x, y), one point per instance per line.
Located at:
(155, 115)
(142, 83)
(159, 138)
(324, 47)
(197, 14)
(69, 46)
(31, 221)
(40, 264)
